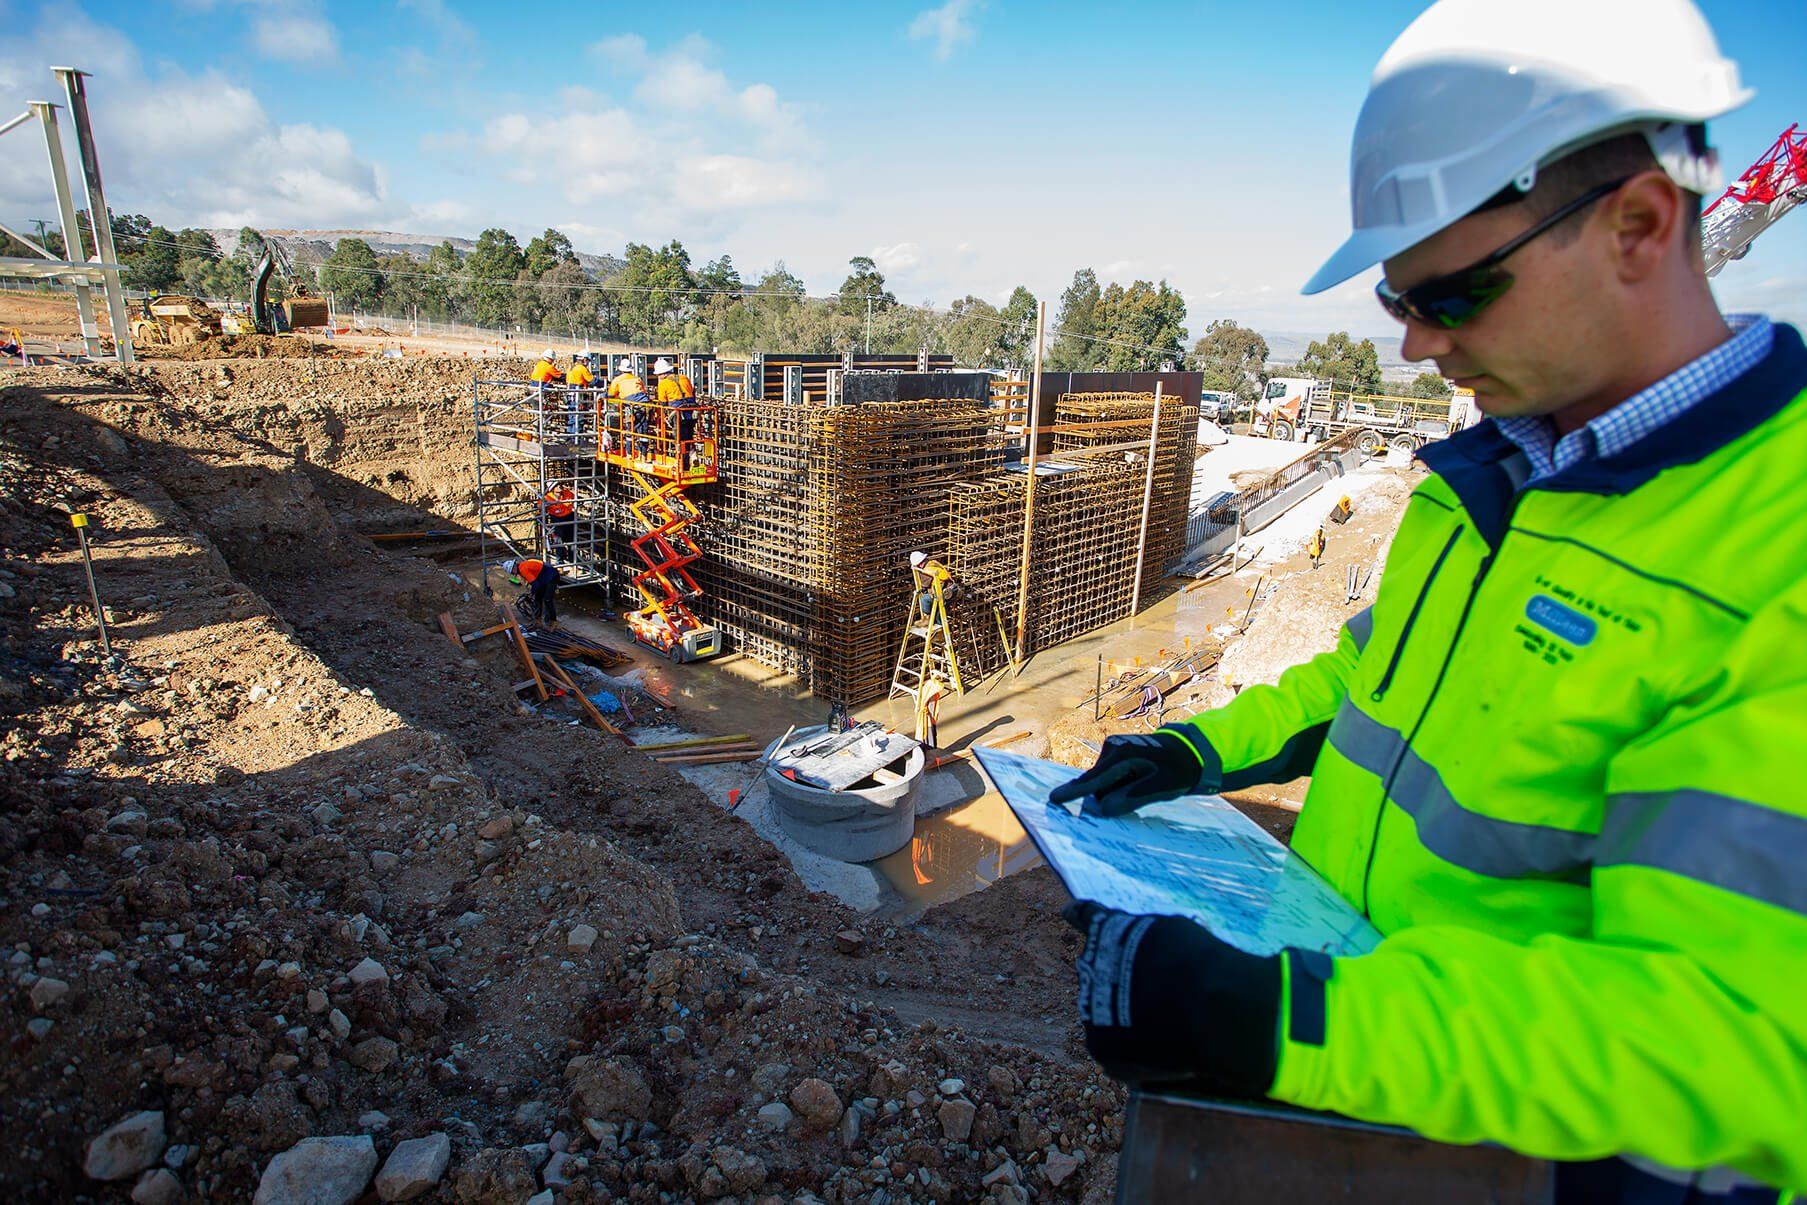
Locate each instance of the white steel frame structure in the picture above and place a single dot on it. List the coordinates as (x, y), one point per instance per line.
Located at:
(530, 440)
(79, 267)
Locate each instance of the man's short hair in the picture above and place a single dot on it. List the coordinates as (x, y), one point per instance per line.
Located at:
(1599, 163)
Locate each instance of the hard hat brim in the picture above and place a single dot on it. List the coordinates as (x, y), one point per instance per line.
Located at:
(1366, 248)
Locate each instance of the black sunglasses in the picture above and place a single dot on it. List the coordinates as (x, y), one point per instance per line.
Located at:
(1449, 301)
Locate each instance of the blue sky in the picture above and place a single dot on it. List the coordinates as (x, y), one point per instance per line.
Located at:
(968, 147)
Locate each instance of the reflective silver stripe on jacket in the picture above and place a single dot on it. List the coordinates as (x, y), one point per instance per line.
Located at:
(1361, 626)
(1742, 847)
(1501, 849)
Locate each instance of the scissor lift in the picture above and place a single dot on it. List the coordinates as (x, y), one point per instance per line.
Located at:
(665, 449)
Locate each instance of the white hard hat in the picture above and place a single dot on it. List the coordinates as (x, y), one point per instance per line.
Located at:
(510, 567)
(548, 354)
(661, 365)
(917, 558)
(1476, 95)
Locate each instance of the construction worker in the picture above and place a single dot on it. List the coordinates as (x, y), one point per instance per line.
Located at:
(560, 506)
(1557, 762)
(542, 581)
(544, 371)
(629, 391)
(925, 572)
(577, 378)
(676, 392)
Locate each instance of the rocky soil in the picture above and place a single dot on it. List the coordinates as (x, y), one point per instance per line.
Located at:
(296, 902)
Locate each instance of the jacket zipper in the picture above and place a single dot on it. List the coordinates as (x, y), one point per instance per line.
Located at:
(1411, 620)
(1386, 785)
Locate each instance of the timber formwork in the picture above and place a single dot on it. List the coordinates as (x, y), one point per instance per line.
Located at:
(1088, 512)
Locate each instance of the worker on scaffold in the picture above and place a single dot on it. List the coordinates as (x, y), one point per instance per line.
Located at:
(543, 374)
(578, 377)
(1558, 762)
(560, 505)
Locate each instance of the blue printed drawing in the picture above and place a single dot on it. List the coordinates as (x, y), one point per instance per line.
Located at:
(1196, 857)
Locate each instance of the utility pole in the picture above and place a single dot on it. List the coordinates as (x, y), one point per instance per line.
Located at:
(868, 324)
(1032, 430)
(1154, 436)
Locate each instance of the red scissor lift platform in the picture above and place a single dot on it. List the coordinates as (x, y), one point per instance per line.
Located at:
(665, 449)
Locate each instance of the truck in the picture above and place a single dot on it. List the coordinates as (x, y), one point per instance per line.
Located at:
(1311, 410)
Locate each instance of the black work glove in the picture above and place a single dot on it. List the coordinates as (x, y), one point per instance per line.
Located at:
(1138, 769)
(1163, 1001)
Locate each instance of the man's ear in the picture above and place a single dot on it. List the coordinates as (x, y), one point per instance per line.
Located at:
(1647, 219)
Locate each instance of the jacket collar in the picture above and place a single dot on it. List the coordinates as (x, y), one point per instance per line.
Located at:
(1486, 470)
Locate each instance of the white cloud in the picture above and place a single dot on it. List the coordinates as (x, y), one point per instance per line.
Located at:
(187, 149)
(449, 25)
(625, 51)
(949, 26)
(682, 80)
(294, 33)
(618, 156)
(897, 258)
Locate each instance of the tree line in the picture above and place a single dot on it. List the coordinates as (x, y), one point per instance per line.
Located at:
(657, 296)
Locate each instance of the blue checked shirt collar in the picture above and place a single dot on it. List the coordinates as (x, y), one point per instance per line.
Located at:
(1646, 411)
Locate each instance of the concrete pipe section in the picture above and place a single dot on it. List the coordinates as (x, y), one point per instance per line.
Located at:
(850, 796)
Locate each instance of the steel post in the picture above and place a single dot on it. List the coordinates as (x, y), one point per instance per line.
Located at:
(76, 93)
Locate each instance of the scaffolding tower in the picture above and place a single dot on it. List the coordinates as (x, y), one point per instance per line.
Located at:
(537, 453)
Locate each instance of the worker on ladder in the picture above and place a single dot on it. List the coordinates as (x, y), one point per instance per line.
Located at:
(928, 671)
(1558, 762)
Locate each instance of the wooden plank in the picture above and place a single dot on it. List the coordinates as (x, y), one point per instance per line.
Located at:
(682, 753)
(476, 636)
(701, 740)
(1001, 741)
(704, 759)
(450, 628)
(520, 649)
(564, 679)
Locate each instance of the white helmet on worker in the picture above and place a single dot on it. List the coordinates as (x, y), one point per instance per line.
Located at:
(661, 365)
(1476, 95)
(548, 354)
(917, 558)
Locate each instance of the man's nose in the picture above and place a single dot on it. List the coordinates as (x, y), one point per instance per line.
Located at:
(1423, 341)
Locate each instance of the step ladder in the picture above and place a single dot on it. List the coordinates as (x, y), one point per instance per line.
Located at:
(927, 665)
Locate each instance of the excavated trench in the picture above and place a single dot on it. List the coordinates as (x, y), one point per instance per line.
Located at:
(289, 770)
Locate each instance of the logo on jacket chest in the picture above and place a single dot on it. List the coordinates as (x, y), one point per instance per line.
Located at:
(1560, 621)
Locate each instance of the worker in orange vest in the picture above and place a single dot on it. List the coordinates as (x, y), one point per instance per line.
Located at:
(577, 378)
(542, 581)
(561, 516)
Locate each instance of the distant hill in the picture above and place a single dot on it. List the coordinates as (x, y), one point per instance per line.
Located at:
(1286, 347)
(311, 246)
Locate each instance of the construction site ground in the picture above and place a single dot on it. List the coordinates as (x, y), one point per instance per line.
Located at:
(287, 863)
(49, 322)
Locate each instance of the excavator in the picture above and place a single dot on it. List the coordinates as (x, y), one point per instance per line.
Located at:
(298, 311)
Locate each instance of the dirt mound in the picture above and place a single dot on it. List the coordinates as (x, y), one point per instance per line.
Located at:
(289, 864)
(247, 347)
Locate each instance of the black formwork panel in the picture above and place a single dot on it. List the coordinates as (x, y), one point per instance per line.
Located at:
(861, 386)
